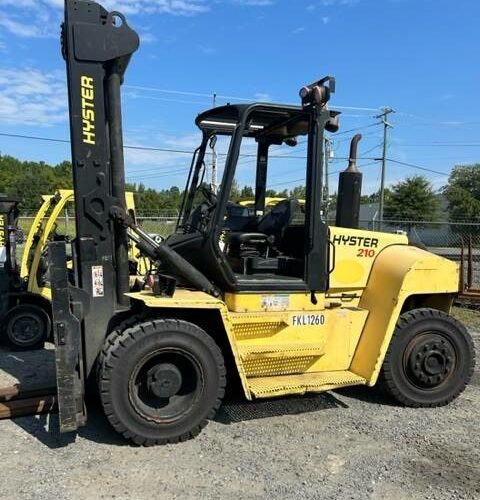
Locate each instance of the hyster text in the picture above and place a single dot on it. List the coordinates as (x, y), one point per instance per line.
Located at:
(353, 241)
(88, 110)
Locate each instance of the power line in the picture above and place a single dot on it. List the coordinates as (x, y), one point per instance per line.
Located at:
(372, 149)
(65, 141)
(442, 144)
(33, 137)
(186, 93)
(348, 139)
(430, 121)
(286, 183)
(166, 99)
(153, 174)
(165, 91)
(357, 128)
(330, 173)
(188, 152)
(359, 166)
(145, 171)
(418, 167)
(356, 108)
(220, 96)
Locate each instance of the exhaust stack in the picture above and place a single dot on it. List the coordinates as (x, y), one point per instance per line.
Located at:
(350, 190)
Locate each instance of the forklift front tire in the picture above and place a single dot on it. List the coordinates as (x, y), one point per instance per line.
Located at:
(27, 327)
(161, 381)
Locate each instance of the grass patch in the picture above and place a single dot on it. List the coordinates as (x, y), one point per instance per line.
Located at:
(469, 317)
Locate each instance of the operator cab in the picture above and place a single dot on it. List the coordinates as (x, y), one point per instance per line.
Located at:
(256, 246)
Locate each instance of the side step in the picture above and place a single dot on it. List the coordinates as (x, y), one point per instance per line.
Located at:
(263, 351)
(267, 387)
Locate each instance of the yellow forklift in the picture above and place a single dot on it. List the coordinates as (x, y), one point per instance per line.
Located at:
(285, 308)
(27, 314)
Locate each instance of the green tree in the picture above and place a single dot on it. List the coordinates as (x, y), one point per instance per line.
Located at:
(298, 192)
(374, 197)
(234, 191)
(30, 180)
(463, 193)
(247, 193)
(412, 199)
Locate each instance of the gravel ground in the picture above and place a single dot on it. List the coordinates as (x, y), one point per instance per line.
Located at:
(352, 443)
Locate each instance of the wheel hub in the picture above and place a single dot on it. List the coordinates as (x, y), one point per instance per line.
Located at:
(165, 385)
(25, 329)
(164, 380)
(432, 360)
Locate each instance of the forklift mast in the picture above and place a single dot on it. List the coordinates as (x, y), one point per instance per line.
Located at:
(97, 46)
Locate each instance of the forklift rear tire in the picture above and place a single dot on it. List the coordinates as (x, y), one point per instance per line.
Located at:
(161, 381)
(27, 327)
(430, 359)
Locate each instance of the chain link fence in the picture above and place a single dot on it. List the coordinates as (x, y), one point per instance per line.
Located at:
(158, 225)
(436, 235)
(442, 238)
(156, 222)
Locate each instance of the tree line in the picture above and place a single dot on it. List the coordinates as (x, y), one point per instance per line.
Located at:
(415, 199)
(411, 199)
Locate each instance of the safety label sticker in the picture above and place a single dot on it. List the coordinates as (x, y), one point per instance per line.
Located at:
(98, 289)
(277, 302)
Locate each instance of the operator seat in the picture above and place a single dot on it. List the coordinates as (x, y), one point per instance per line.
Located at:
(251, 247)
(274, 223)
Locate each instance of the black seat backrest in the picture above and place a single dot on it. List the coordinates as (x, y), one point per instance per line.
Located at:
(238, 217)
(276, 221)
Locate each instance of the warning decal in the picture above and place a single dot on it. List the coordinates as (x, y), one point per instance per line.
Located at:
(98, 289)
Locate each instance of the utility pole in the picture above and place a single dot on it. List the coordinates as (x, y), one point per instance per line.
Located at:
(386, 126)
(214, 156)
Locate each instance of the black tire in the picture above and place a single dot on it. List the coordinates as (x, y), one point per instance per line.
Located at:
(153, 357)
(27, 327)
(110, 340)
(430, 359)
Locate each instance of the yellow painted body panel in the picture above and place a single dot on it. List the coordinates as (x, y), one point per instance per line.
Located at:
(42, 232)
(250, 302)
(354, 255)
(34, 229)
(306, 348)
(187, 299)
(398, 273)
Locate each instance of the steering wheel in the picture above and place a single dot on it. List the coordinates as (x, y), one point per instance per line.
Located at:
(210, 196)
(200, 217)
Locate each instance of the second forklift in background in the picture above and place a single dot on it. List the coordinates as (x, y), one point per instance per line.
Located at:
(25, 312)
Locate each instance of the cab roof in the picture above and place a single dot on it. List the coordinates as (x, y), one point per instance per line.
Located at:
(274, 121)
